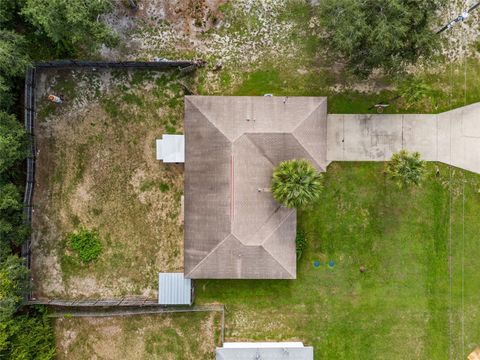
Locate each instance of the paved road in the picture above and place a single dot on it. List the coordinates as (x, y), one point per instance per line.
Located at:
(451, 137)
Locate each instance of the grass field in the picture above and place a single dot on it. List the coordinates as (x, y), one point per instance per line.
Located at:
(163, 337)
(405, 306)
(96, 169)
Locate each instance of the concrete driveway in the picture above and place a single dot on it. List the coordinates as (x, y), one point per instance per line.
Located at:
(451, 137)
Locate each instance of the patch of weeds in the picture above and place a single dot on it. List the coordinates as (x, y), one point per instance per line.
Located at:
(414, 91)
(66, 89)
(96, 211)
(132, 99)
(170, 129)
(86, 244)
(225, 79)
(139, 76)
(152, 184)
(75, 220)
(46, 110)
(174, 102)
(81, 162)
(111, 107)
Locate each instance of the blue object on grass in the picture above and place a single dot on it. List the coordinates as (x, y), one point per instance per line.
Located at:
(316, 263)
(331, 263)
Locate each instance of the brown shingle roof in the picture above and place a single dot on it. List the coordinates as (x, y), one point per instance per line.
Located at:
(232, 146)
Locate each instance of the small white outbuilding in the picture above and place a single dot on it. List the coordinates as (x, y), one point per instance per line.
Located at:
(171, 148)
(174, 289)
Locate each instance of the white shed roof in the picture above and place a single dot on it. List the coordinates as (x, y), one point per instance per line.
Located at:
(174, 289)
(265, 351)
(171, 148)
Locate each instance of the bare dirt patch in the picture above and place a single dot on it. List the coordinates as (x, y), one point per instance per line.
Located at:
(172, 336)
(96, 169)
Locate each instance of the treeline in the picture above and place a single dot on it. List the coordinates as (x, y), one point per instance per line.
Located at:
(31, 30)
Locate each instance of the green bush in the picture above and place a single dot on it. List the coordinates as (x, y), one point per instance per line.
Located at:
(301, 243)
(86, 243)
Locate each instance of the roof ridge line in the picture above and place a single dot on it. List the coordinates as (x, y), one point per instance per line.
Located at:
(310, 113)
(308, 152)
(247, 135)
(208, 119)
(268, 252)
(210, 253)
(278, 262)
(275, 229)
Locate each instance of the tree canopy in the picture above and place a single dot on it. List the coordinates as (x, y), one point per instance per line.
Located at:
(384, 34)
(406, 168)
(13, 285)
(296, 183)
(71, 24)
(12, 141)
(13, 55)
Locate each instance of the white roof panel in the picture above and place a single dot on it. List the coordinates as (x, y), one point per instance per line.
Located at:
(174, 289)
(171, 148)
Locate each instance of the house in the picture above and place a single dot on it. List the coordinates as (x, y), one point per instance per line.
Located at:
(234, 229)
(264, 351)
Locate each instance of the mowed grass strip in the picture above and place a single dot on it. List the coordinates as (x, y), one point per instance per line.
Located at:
(404, 305)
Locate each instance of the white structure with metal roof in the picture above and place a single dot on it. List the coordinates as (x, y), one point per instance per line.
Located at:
(171, 148)
(264, 351)
(174, 289)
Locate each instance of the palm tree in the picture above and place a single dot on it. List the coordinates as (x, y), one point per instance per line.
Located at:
(406, 168)
(296, 183)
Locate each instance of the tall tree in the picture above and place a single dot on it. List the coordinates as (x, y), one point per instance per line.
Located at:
(13, 54)
(296, 183)
(7, 12)
(384, 34)
(12, 227)
(71, 24)
(27, 337)
(13, 143)
(14, 284)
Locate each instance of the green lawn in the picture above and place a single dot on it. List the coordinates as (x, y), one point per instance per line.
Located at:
(404, 306)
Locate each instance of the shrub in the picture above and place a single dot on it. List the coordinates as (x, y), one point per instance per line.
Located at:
(86, 244)
(296, 183)
(301, 243)
(406, 168)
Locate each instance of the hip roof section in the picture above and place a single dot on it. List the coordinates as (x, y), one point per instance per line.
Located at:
(233, 226)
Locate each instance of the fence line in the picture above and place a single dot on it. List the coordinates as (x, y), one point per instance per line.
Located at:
(183, 66)
(157, 309)
(30, 179)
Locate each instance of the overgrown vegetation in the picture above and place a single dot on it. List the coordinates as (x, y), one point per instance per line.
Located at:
(30, 30)
(378, 34)
(27, 336)
(86, 244)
